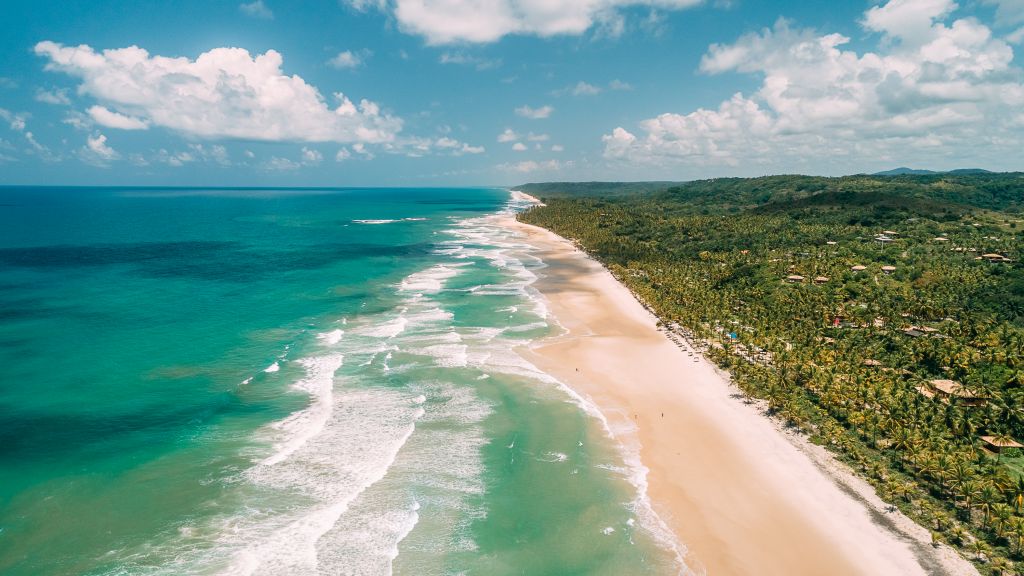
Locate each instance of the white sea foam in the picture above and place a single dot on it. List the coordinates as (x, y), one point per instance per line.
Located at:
(354, 449)
(429, 280)
(382, 221)
(388, 329)
(554, 457)
(299, 427)
(272, 368)
(331, 338)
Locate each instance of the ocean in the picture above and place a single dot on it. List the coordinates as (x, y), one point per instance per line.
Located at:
(293, 381)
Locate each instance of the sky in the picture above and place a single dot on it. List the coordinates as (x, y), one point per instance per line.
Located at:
(500, 92)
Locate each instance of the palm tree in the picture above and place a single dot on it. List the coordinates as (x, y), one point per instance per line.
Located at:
(1002, 514)
(988, 496)
(981, 549)
(1001, 566)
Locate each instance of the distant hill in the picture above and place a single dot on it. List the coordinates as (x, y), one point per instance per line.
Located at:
(904, 171)
(969, 171)
(608, 189)
(918, 193)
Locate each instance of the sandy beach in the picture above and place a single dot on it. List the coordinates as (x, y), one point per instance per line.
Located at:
(741, 494)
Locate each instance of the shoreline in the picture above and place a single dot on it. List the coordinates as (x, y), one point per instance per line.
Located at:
(742, 494)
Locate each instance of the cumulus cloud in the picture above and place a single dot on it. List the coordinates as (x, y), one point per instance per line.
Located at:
(535, 113)
(584, 89)
(534, 166)
(463, 59)
(97, 152)
(449, 21)
(57, 97)
(519, 147)
(348, 60)
(508, 136)
(104, 117)
(224, 93)
(416, 147)
(256, 9)
(311, 157)
(18, 123)
(931, 89)
(278, 164)
(619, 85)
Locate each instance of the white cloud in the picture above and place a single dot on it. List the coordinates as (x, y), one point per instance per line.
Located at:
(535, 113)
(256, 9)
(342, 155)
(213, 153)
(537, 137)
(18, 123)
(534, 166)
(508, 136)
(450, 21)
(360, 148)
(97, 152)
(932, 91)
(174, 159)
(78, 121)
(519, 147)
(348, 60)
(463, 59)
(278, 164)
(445, 145)
(557, 148)
(224, 93)
(455, 147)
(619, 85)
(311, 157)
(15, 121)
(58, 97)
(104, 117)
(584, 89)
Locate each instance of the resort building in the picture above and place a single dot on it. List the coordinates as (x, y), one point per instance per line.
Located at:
(888, 269)
(858, 268)
(951, 391)
(995, 258)
(994, 445)
(794, 279)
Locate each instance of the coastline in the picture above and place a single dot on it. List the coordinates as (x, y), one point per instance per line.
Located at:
(743, 495)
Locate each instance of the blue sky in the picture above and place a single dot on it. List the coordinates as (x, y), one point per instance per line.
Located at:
(465, 92)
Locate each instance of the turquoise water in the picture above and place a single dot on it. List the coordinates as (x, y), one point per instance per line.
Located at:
(292, 382)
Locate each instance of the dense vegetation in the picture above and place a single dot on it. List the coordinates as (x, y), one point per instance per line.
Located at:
(761, 272)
